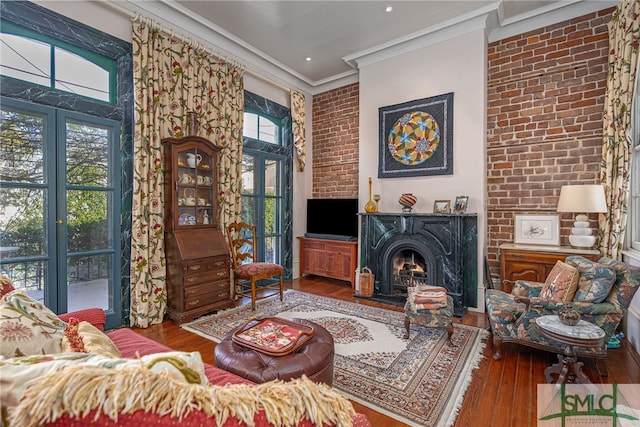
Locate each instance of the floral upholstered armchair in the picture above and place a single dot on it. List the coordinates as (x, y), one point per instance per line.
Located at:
(601, 292)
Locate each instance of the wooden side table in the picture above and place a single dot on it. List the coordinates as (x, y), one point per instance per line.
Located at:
(584, 334)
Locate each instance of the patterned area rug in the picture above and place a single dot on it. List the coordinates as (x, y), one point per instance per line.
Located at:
(420, 381)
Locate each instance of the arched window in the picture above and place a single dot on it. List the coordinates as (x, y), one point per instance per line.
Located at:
(65, 159)
(261, 128)
(41, 60)
(266, 178)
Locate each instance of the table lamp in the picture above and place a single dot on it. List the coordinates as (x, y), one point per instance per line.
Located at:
(582, 199)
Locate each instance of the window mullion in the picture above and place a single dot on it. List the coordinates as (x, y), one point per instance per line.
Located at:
(52, 65)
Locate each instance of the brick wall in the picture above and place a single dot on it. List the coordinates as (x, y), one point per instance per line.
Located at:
(335, 143)
(544, 121)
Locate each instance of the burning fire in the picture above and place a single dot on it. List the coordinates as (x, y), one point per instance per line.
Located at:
(407, 264)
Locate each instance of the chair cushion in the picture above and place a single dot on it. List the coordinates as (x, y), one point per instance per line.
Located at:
(561, 283)
(596, 280)
(252, 269)
(502, 307)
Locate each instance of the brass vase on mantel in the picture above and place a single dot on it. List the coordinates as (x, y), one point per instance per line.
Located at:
(371, 206)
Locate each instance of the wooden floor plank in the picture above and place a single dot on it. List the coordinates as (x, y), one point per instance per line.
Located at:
(501, 392)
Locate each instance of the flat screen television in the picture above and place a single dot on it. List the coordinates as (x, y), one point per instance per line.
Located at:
(335, 219)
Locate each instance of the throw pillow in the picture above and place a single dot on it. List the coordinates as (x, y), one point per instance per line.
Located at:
(561, 283)
(28, 327)
(6, 285)
(596, 281)
(86, 338)
(627, 282)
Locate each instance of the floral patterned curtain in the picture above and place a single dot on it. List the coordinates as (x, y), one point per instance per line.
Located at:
(298, 118)
(624, 37)
(171, 79)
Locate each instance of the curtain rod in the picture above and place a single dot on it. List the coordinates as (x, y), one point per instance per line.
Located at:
(135, 16)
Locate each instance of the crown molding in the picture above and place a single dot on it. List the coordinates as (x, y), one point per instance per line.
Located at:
(549, 15)
(174, 17)
(431, 37)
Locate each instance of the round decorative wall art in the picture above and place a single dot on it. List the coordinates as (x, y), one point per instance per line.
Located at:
(414, 138)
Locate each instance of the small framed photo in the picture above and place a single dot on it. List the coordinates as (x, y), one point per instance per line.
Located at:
(537, 230)
(442, 206)
(460, 206)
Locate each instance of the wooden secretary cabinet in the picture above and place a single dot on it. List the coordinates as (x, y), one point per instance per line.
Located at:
(534, 263)
(198, 270)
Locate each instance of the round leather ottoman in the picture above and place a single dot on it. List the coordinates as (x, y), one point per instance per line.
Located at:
(313, 359)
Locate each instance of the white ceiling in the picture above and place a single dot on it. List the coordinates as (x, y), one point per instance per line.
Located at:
(278, 36)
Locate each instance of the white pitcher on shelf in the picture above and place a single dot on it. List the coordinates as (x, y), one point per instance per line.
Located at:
(193, 160)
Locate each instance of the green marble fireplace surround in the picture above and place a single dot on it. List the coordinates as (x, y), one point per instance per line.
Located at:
(404, 249)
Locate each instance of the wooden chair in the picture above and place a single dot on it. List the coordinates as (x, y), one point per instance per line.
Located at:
(242, 237)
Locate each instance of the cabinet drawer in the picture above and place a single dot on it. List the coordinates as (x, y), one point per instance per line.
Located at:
(338, 248)
(206, 276)
(205, 288)
(310, 244)
(209, 293)
(534, 257)
(205, 265)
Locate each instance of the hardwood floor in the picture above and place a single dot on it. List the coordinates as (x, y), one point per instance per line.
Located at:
(501, 393)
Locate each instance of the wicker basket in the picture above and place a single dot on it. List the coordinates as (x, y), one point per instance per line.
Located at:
(366, 282)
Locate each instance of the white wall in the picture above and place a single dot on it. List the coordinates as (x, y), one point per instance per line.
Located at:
(457, 65)
(92, 14)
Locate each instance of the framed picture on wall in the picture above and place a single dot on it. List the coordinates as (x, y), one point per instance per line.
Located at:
(416, 138)
(537, 230)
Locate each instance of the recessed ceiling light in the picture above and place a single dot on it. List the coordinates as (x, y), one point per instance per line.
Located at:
(308, 58)
(388, 9)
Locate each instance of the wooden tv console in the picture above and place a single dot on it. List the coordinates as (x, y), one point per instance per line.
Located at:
(336, 259)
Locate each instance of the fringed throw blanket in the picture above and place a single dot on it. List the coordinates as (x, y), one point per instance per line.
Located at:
(78, 390)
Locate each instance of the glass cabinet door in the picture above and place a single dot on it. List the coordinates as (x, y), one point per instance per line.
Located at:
(195, 183)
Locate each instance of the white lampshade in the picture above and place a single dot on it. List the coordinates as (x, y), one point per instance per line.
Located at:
(582, 198)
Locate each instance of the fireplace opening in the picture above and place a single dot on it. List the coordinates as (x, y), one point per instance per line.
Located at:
(409, 249)
(409, 269)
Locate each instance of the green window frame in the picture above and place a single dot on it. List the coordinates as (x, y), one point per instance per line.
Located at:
(264, 126)
(60, 47)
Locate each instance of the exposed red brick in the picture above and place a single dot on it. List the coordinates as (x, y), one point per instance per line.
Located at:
(544, 120)
(335, 142)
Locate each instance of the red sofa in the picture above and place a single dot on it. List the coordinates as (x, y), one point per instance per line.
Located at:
(130, 343)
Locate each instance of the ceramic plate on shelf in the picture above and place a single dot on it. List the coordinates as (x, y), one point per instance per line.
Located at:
(183, 219)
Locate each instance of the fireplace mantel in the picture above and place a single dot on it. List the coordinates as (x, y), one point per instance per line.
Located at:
(447, 242)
